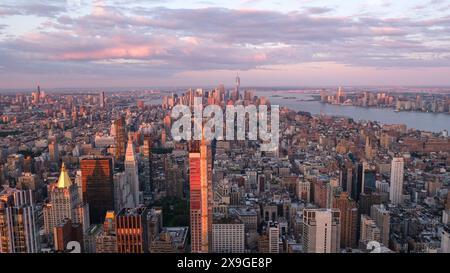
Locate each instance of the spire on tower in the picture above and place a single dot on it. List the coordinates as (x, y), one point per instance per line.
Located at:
(130, 154)
(64, 179)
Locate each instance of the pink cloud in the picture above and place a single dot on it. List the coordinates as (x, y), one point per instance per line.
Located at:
(118, 52)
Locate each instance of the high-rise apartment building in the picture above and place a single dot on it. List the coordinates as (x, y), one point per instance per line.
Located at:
(18, 230)
(321, 230)
(200, 165)
(382, 219)
(396, 186)
(349, 219)
(147, 163)
(273, 230)
(369, 230)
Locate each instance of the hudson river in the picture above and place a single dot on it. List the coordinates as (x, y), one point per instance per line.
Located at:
(434, 122)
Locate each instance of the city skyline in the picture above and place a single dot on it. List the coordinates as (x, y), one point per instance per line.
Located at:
(270, 43)
(231, 128)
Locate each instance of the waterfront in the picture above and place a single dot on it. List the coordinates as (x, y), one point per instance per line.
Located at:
(434, 122)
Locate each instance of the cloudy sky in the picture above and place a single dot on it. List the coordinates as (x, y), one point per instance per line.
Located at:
(107, 43)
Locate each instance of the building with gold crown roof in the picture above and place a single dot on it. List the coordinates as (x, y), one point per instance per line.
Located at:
(64, 203)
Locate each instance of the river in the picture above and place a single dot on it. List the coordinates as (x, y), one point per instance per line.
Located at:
(433, 122)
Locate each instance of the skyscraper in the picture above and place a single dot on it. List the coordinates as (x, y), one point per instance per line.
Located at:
(349, 219)
(65, 203)
(238, 85)
(131, 230)
(273, 230)
(147, 162)
(97, 186)
(120, 137)
(18, 230)
(321, 230)
(369, 230)
(53, 152)
(200, 164)
(131, 171)
(396, 186)
(102, 99)
(382, 219)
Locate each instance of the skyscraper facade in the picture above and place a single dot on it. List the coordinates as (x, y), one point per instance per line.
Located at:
(200, 164)
(321, 230)
(131, 171)
(120, 137)
(228, 236)
(64, 203)
(97, 186)
(382, 219)
(396, 186)
(18, 230)
(349, 219)
(131, 230)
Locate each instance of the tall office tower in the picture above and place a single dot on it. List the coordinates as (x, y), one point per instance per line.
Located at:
(358, 180)
(131, 230)
(97, 186)
(120, 137)
(347, 170)
(65, 203)
(369, 152)
(238, 85)
(321, 230)
(131, 171)
(370, 180)
(106, 240)
(102, 99)
(349, 219)
(147, 162)
(340, 96)
(369, 230)
(200, 164)
(53, 152)
(273, 230)
(366, 201)
(396, 186)
(228, 236)
(18, 229)
(36, 95)
(382, 218)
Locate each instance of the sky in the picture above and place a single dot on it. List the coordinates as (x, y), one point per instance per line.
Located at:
(149, 43)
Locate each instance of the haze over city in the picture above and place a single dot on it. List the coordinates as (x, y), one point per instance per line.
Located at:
(104, 43)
